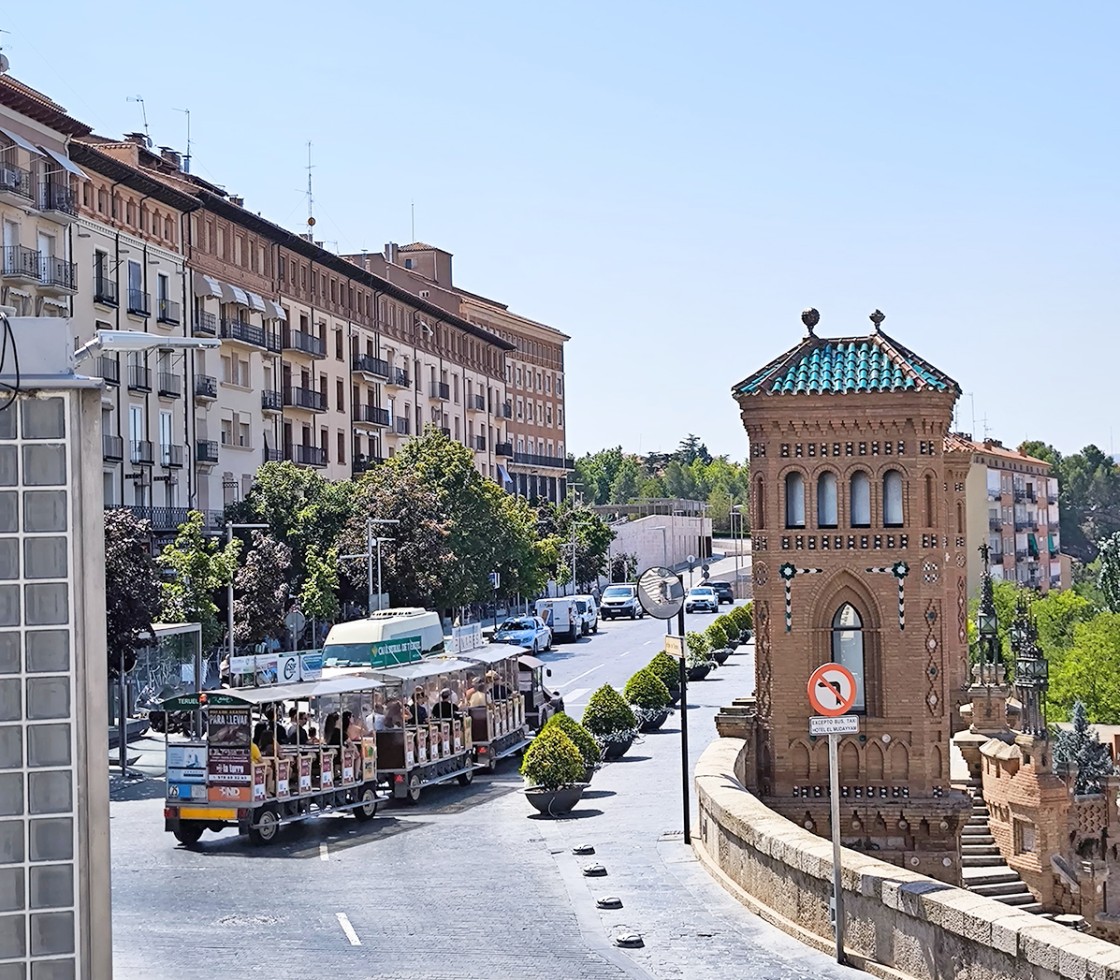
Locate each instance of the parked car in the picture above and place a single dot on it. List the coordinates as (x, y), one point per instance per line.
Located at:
(589, 613)
(723, 591)
(525, 631)
(621, 600)
(701, 599)
(561, 614)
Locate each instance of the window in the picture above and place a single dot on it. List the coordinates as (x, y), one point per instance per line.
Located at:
(928, 500)
(135, 276)
(340, 395)
(827, 513)
(338, 343)
(795, 500)
(760, 503)
(861, 500)
(342, 447)
(847, 648)
(892, 499)
(163, 287)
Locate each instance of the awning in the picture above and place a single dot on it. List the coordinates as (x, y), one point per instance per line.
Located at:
(21, 142)
(1032, 545)
(234, 294)
(274, 311)
(66, 163)
(504, 474)
(207, 286)
(58, 304)
(255, 302)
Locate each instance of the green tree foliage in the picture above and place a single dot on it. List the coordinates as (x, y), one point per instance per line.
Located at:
(627, 481)
(717, 636)
(596, 472)
(1089, 671)
(1108, 576)
(607, 713)
(692, 449)
(646, 690)
(318, 596)
(1056, 614)
(580, 736)
(132, 586)
(623, 567)
(261, 591)
(699, 648)
(666, 668)
(552, 761)
(198, 566)
(1081, 747)
(567, 524)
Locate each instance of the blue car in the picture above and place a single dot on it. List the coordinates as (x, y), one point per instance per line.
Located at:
(525, 631)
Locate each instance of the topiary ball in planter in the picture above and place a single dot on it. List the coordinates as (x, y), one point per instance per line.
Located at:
(589, 749)
(716, 636)
(667, 669)
(649, 698)
(553, 772)
(650, 720)
(608, 717)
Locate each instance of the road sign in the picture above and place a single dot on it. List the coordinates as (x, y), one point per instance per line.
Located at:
(844, 725)
(660, 592)
(495, 580)
(674, 646)
(295, 621)
(832, 690)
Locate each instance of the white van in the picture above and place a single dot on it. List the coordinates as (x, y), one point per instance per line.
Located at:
(351, 644)
(562, 616)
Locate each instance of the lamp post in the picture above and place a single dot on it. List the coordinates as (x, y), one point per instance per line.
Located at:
(230, 528)
(369, 554)
(1032, 672)
(987, 628)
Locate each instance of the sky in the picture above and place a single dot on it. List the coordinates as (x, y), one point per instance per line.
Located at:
(672, 183)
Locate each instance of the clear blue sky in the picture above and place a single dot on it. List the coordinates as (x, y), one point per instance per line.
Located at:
(671, 183)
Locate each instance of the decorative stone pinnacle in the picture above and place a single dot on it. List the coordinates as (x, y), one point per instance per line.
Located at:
(877, 318)
(810, 318)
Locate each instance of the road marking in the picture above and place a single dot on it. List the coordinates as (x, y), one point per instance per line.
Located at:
(647, 643)
(626, 654)
(323, 855)
(578, 676)
(577, 693)
(348, 929)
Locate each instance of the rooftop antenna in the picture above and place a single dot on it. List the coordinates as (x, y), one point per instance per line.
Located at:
(310, 196)
(143, 113)
(4, 63)
(187, 155)
(414, 220)
(985, 421)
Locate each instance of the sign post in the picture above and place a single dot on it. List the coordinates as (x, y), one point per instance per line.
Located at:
(832, 693)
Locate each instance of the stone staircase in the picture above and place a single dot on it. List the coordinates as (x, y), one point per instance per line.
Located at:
(982, 868)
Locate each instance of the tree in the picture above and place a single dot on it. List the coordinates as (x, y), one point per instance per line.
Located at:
(318, 596)
(692, 449)
(596, 472)
(627, 480)
(1089, 671)
(198, 566)
(519, 557)
(1056, 614)
(132, 587)
(1082, 747)
(1042, 450)
(624, 567)
(258, 612)
(1108, 578)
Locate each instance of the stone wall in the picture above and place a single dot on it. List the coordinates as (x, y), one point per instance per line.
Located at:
(898, 923)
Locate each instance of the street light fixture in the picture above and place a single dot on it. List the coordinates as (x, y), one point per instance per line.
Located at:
(137, 340)
(368, 554)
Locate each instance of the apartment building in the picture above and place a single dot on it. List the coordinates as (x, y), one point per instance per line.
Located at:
(1011, 503)
(527, 427)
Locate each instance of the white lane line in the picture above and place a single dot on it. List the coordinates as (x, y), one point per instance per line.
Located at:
(348, 929)
(626, 654)
(323, 855)
(647, 643)
(578, 676)
(577, 693)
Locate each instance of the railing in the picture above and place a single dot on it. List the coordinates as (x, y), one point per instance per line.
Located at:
(480, 443)
(1020, 525)
(170, 455)
(21, 262)
(58, 273)
(363, 462)
(503, 449)
(139, 302)
(139, 378)
(441, 389)
(140, 451)
(307, 398)
(205, 324)
(446, 433)
(105, 291)
(273, 455)
(372, 413)
(168, 311)
(399, 378)
(994, 494)
(995, 524)
(303, 341)
(532, 459)
(109, 368)
(272, 401)
(1020, 554)
(368, 364)
(56, 196)
(306, 455)
(246, 333)
(403, 426)
(476, 403)
(15, 180)
(1051, 498)
(1055, 553)
(507, 410)
(162, 519)
(169, 385)
(1020, 495)
(205, 386)
(112, 447)
(206, 451)
(1055, 581)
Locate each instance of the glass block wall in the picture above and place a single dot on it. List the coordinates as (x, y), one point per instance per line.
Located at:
(40, 779)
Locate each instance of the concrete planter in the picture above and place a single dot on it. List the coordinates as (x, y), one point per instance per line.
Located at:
(554, 802)
(699, 672)
(654, 721)
(722, 654)
(616, 748)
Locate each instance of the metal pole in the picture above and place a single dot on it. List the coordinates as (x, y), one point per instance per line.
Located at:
(834, 800)
(197, 684)
(379, 574)
(229, 601)
(683, 676)
(369, 566)
(122, 724)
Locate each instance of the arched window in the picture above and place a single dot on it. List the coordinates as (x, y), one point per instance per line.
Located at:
(929, 500)
(847, 648)
(795, 500)
(760, 504)
(826, 500)
(861, 500)
(892, 499)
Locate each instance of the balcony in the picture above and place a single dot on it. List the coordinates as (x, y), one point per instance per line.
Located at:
(139, 378)
(272, 401)
(56, 200)
(105, 291)
(994, 494)
(305, 398)
(446, 433)
(478, 443)
(362, 462)
(1055, 581)
(507, 410)
(16, 186)
(164, 520)
(274, 455)
(171, 456)
(1020, 554)
(306, 455)
(503, 449)
(403, 426)
(243, 333)
(1051, 498)
(140, 451)
(441, 390)
(21, 264)
(206, 452)
(112, 448)
(1055, 553)
(995, 524)
(169, 385)
(58, 276)
(205, 324)
(167, 311)
(139, 302)
(368, 364)
(532, 459)
(373, 414)
(205, 386)
(398, 378)
(109, 369)
(305, 343)
(476, 403)
(1021, 525)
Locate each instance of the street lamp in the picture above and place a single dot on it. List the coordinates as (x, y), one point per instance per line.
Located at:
(230, 527)
(987, 626)
(1032, 672)
(138, 340)
(368, 555)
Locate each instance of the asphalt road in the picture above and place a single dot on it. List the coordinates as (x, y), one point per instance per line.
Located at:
(468, 884)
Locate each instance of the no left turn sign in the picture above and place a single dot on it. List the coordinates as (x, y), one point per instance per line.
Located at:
(832, 690)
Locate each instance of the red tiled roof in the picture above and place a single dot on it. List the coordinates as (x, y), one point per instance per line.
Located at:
(419, 247)
(23, 98)
(962, 443)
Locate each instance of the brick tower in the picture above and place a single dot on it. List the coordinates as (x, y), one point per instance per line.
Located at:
(858, 522)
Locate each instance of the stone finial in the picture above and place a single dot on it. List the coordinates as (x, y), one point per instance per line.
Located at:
(877, 318)
(810, 318)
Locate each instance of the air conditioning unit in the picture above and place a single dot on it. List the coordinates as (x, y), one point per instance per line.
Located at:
(10, 178)
(424, 293)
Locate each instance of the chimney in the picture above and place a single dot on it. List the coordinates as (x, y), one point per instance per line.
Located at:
(139, 139)
(237, 200)
(171, 156)
(391, 252)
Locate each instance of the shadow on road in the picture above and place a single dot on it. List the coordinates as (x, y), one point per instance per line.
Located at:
(302, 839)
(574, 815)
